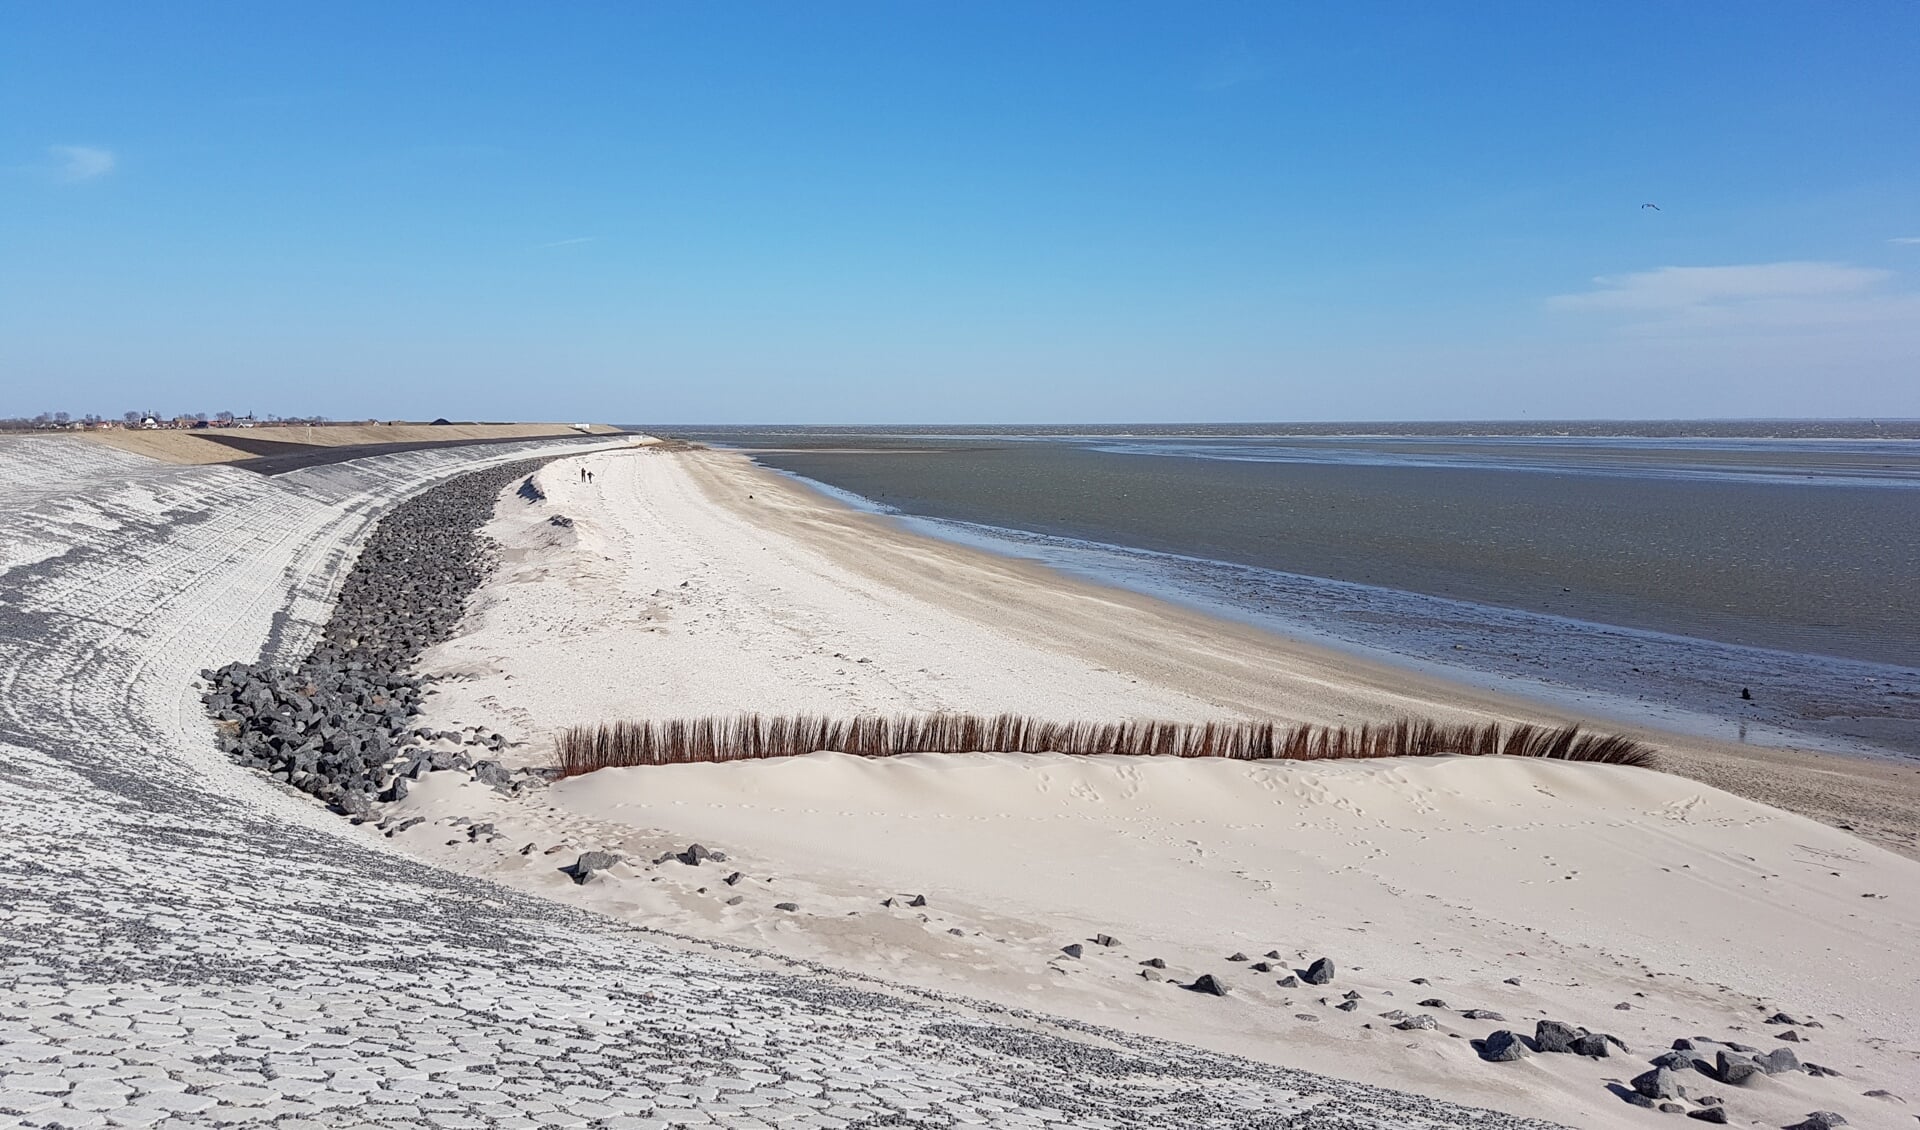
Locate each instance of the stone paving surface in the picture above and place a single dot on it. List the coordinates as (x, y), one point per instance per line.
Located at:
(183, 944)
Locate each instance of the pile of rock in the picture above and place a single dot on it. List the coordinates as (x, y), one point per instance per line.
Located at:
(337, 724)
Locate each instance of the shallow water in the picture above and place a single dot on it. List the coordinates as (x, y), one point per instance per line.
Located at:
(1649, 579)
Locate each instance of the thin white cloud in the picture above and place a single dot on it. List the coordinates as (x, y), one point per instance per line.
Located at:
(1905, 239)
(564, 242)
(1749, 296)
(81, 162)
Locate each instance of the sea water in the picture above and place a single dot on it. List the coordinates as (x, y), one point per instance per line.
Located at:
(1649, 579)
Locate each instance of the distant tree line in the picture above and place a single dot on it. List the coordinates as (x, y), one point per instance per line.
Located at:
(66, 421)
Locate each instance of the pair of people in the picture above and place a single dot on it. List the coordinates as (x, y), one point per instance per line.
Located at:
(586, 476)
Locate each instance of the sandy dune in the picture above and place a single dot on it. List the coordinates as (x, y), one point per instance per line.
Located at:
(673, 592)
(184, 944)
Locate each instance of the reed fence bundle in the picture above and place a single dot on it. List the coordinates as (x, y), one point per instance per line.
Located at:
(750, 737)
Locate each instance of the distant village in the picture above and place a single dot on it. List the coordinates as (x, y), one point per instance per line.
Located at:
(154, 421)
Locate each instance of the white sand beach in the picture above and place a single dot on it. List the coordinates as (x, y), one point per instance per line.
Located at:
(1644, 904)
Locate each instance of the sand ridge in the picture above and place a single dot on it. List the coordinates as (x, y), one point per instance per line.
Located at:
(696, 583)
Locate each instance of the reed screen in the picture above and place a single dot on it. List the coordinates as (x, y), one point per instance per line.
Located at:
(750, 737)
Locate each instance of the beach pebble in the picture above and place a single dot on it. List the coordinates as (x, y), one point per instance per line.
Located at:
(786, 906)
(1153, 975)
(1503, 1047)
(1272, 955)
(736, 900)
(1261, 967)
(1714, 1114)
(917, 900)
(1319, 973)
(1790, 1036)
(1347, 1006)
(1073, 949)
(1210, 985)
(1482, 1014)
(1156, 962)
(1433, 1002)
(733, 879)
(1237, 957)
(1105, 940)
(1420, 1023)
(1511, 981)
(1288, 982)
(1820, 1120)
(1781, 1018)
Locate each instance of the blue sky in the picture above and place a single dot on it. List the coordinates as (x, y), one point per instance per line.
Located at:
(961, 212)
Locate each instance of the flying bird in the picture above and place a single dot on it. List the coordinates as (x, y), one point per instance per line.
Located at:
(1655, 207)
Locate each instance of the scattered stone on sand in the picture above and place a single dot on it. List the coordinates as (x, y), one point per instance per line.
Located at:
(1156, 962)
(1073, 949)
(917, 900)
(1592, 1045)
(736, 900)
(1555, 1036)
(1105, 940)
(1660, 1083)
(1261, 967)
(1288, 982)
(1713, 1114)
(1237, 956)
(1503, 1047)
(1734, 1068)
(1319, 973)
(1210, 985)
(1790, 1036)
(1778, 1060)
(1153, 974)
(1433, 1002)
(1482, 1014)
(589, 862)
(1347, 1006)
(1420, 1023)
(733, 879)
(1820, 1120)
(786, 906)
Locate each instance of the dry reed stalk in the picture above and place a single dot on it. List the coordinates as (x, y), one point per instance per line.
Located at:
(750, 737)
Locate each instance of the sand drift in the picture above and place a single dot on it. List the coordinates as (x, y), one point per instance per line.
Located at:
(188, 944)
